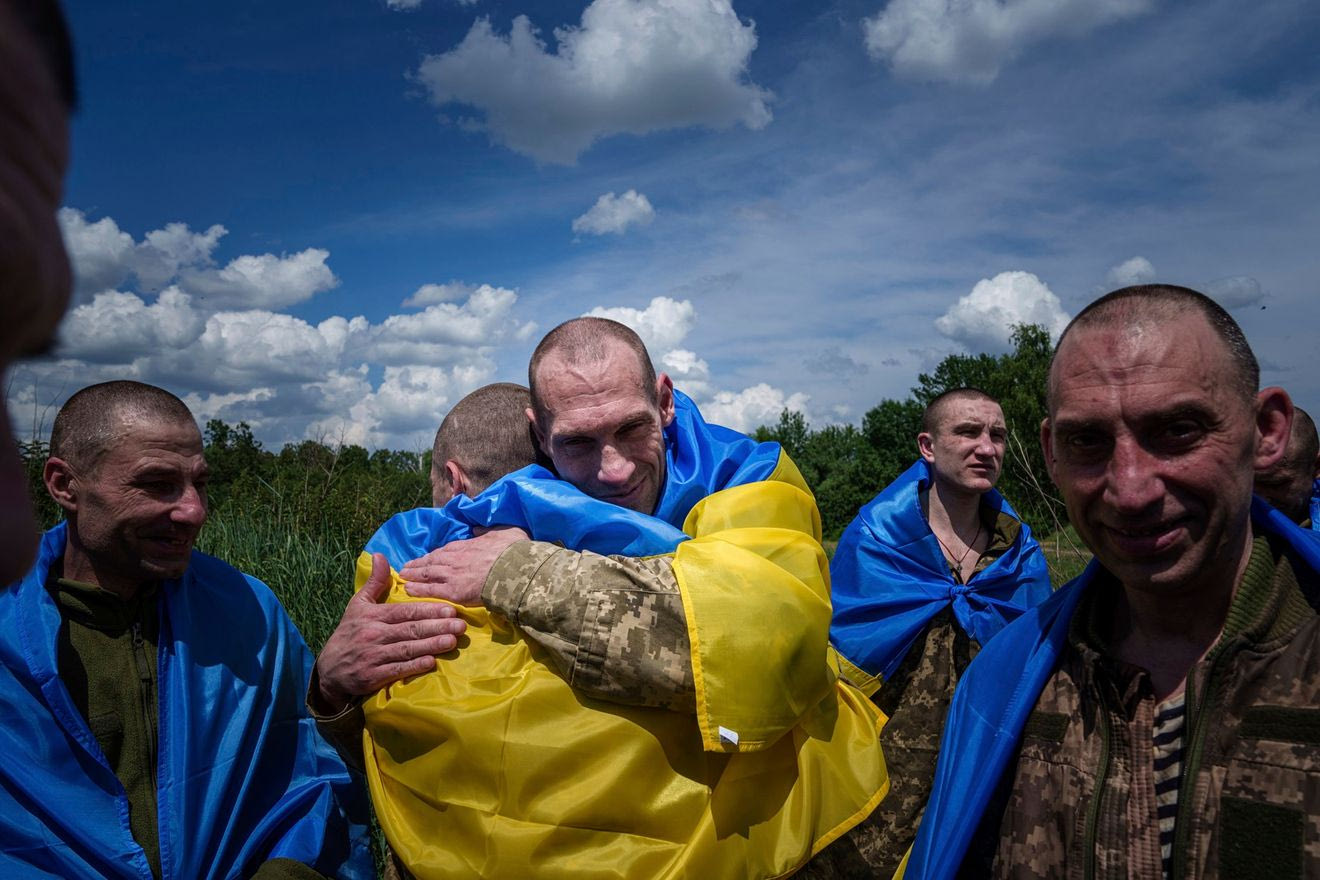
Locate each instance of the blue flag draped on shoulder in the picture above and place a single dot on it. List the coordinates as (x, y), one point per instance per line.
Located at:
(700, 459)
(1315, 506)
(890, 579)
(495, 756)
(242, 775)
(998, 692)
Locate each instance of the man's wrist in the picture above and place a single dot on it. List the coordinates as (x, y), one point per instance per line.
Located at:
(325, 706)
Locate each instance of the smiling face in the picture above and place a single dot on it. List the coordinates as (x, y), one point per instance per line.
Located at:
(34, 272)
(966, 449)
(602, 431)
(136, 513)
(1153, 444)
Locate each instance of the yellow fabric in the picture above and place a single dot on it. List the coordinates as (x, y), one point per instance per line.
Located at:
(756, 591)
(493, 767)
(902, 866)
(858, 677)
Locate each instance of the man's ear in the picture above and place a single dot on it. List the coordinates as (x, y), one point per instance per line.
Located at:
(542, 441)
(458, 480)
(664, 394)
(1274, 416)
(1047, 446)
(926, 446)
(62, 483)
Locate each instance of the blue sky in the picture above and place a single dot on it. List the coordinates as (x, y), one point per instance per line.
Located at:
(332, 220)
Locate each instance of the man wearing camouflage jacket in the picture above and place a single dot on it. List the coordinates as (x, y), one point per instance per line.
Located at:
(1156, 717)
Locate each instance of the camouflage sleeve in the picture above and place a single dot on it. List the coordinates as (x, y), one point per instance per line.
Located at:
(614, 626)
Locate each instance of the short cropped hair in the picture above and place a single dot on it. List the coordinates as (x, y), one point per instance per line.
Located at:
(487, 434)
(1143, 303)
(95, 418)
(584, 340)
(933, 416)
(45, 21)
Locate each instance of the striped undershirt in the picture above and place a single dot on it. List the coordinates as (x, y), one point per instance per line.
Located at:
(1168, 754)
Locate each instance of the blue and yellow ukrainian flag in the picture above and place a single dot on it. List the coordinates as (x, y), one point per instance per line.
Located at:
(494, 767)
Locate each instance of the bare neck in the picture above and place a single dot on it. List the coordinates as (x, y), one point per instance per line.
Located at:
(954, 515)
(79, 566)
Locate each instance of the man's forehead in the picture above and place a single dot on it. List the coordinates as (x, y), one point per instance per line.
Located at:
(614, 381)
(141, 438)
(970, 411)
(589, 413)
(1183, 349)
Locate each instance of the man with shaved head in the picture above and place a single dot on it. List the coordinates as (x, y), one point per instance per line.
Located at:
(927, 573)
(154, 721)
(1156, 716)
(646, 688)
(1291, 483)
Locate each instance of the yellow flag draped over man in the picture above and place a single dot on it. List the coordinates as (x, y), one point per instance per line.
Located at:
(493, 766)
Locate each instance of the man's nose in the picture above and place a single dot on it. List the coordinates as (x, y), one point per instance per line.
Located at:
(190, 509)
(615, 467)
(1133, 482)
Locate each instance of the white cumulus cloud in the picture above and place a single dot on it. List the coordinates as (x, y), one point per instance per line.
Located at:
(633, 66)
(1137, 270)
(116, 326)
(983, 319)
(970, 40)
(163, 252)
(104, 257)
(430, 294)
(663, 324)
(442, 331)
(746, 410)
(614, 214)
(263, 280)
(1236, 292)
(100, 252)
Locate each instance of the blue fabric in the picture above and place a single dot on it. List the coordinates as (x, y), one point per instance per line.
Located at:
(998, 692)
(889, 578)
(242, 775)
(1315, 506)
(699, 459)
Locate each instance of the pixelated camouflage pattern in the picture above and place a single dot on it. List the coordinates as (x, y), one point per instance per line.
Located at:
(1080, 801)
(613, 626)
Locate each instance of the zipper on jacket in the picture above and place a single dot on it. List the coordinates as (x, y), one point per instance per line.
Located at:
(1093, 810)
(147, 696)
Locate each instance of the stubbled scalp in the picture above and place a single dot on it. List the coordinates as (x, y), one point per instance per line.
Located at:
(1143, 310)
(934, 412)
(98, 416)
(487, 434)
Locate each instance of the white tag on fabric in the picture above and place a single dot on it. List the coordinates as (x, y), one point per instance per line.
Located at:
(729, 736)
